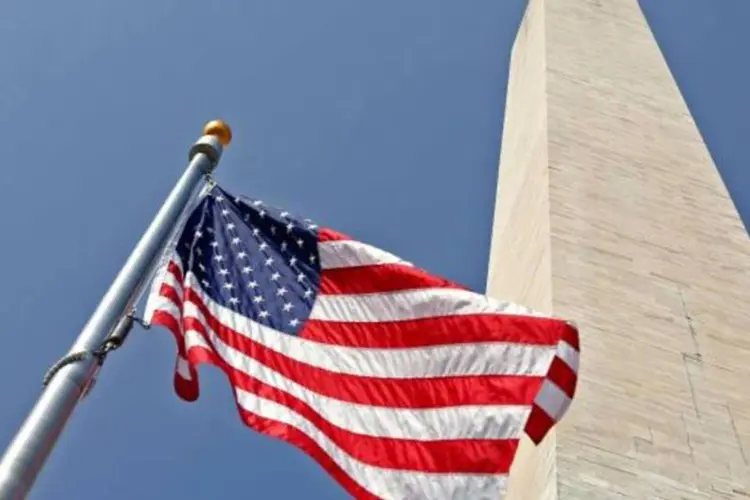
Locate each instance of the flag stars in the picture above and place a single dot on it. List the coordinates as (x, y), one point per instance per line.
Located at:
(219, 198)
(256, 262)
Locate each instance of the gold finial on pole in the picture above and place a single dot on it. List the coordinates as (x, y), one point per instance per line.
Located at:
(220, 130)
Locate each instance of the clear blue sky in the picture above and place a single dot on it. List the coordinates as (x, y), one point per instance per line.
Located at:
(381, 119)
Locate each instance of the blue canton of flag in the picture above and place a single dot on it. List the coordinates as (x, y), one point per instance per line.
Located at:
(255, 259)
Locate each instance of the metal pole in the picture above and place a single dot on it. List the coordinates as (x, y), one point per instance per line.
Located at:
(26, 455)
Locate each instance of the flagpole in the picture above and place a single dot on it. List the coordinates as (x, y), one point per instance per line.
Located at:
(72, 377)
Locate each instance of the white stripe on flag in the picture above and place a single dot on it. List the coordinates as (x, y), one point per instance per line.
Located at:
(338, 254)
(552, 400)
(569, 355)
(410, 304)
(183, 368)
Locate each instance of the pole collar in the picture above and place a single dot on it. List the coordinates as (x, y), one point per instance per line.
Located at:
(216, 136)
(210, 146)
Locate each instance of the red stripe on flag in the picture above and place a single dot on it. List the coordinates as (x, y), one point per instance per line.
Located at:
(436, 331)
(570, 335)
(562, 376)
(326, 234)
(172, 324)
(170, 293)
(379, 279)
(173, 268)
(538, 424)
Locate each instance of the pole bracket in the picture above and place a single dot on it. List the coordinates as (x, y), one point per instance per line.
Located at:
(74, 357)
(112, 343)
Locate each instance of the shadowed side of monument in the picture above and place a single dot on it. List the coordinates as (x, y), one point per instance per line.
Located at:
(519, 266)
(610, 212)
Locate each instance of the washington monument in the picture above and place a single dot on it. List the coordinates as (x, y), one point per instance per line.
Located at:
(610, 211)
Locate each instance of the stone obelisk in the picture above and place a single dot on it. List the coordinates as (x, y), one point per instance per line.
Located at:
(610, 212)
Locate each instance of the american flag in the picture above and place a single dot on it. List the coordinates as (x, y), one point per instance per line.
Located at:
(400, 384)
